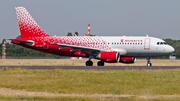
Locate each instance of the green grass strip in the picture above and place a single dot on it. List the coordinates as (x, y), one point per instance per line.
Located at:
(130, 82)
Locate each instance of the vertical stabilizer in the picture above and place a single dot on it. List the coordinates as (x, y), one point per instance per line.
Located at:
(27, 25)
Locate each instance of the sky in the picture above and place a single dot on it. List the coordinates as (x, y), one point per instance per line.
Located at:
(157, 18)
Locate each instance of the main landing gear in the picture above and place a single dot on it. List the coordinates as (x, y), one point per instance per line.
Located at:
(90, 63)
(100, 63)
(149, 62)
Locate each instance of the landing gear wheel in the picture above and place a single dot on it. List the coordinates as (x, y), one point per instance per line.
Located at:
(149, 64)
(100, 63)
(89, 63)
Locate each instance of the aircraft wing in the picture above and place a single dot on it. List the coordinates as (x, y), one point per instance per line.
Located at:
(82, 48)
(76, 47)
(89, 50)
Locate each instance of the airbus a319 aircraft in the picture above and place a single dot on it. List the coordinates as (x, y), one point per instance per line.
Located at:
(110, 49)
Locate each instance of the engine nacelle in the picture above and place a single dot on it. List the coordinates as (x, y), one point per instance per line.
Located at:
(111, 57)
(127, 59)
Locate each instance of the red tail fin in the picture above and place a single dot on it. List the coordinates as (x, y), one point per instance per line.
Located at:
(27, 25)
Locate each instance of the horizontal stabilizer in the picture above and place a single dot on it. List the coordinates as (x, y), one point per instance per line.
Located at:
(27, 42)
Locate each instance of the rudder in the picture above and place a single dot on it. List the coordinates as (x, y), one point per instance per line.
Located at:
(27, 25)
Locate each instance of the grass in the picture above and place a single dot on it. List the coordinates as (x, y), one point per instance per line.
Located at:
(70, 62)
(74, 99)
(79, 99)
(139, 83)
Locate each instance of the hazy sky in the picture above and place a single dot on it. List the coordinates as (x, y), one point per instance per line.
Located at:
(158, 18)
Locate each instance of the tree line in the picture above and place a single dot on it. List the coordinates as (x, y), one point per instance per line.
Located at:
(19, 52)
(175, 44)
(15, 51)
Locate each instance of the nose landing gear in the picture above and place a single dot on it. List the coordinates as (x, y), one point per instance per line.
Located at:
(149, 62)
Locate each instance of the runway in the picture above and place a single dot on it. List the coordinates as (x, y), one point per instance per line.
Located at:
(93, 67)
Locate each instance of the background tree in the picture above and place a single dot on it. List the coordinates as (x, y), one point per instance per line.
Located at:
(175, 44)
(69, 34)
(76, 34)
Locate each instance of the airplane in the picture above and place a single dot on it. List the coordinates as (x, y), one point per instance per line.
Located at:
(109, 49)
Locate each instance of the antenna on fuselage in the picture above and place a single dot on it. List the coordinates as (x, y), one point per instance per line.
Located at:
(147, 35)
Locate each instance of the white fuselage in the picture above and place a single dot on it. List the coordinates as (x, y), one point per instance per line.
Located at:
(125, 45)
(139, 46)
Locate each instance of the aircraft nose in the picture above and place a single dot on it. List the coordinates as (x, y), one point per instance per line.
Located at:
(171, 49)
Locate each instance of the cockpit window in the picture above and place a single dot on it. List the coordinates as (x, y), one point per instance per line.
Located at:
(161, 43)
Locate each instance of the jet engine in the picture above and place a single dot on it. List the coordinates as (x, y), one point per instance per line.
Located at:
(127, 59)
(111, 57)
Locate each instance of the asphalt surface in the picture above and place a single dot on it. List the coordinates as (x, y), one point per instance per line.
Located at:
(93, 67)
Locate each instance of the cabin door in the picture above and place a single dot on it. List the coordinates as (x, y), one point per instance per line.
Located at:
(147, 44)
